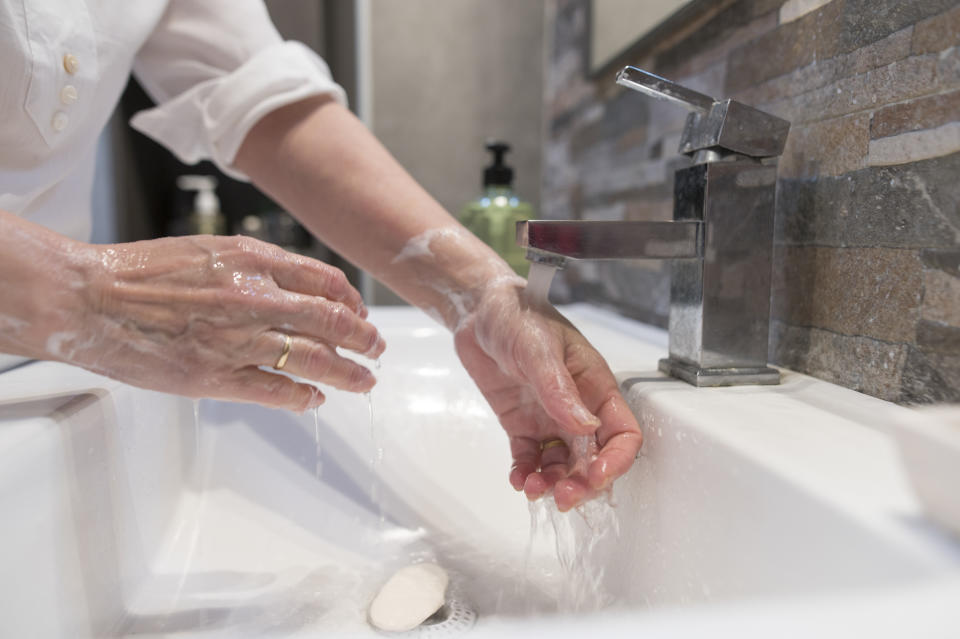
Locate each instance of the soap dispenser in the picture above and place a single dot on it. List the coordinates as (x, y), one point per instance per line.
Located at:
(494, 215)
(206, 217)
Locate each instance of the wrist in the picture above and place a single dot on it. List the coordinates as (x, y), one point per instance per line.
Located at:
(456, 273)
(42, 288)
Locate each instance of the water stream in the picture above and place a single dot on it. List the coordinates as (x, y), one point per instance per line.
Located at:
(316, 435)
(196, 432)
(376, 454)
(574, 543)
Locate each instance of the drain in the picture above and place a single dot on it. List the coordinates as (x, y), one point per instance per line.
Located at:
(453, 618)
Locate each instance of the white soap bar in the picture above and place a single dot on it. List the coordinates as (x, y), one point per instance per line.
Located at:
(409, 597)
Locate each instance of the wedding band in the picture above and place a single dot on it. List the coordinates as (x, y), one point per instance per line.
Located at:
(550, 443)
(287, 343)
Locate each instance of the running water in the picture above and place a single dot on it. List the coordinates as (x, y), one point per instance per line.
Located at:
(376, 454)
(316, 436)
(538, 283)
(574, 542)
(576, 538)
(196, 433)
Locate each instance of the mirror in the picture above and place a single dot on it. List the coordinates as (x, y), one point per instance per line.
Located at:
(616, 26)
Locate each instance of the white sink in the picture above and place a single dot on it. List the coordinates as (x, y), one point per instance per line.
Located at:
(773, 511)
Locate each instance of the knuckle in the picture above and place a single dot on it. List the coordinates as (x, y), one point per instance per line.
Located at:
(245, 244)
(340, 321)
(336, 281)
(357, 375)
(373, 341)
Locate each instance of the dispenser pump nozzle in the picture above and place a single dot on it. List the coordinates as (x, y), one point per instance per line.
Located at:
(205, 202)
(498, 173)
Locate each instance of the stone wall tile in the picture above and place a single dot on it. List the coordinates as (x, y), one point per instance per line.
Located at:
(930, 378)
(936, 338)
(868, 292)
(947, 261)
(863, 364)
(906, 206)
(937, 33)
(901, 80)
(791, 46)
(680, 64)
(649, 210)
(915, 146)
(793, 9)
(847, 139)
(867, 257)
(922, 113)
(941, 298)
(822, 72)
(948, 69)
(727, 22)
(866, 21)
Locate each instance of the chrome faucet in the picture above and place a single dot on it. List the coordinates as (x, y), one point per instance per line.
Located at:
(720, 241)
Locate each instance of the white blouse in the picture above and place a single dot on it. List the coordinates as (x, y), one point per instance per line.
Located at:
(214, 67)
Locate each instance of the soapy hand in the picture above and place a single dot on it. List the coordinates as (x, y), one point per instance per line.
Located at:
(198, 316)
(545, 382)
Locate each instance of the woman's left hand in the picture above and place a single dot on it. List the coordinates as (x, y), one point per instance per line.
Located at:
(548, 385)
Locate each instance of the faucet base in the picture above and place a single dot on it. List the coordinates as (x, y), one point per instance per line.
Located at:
(709, 377)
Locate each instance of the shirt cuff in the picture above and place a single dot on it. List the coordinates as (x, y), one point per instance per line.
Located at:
(210, 121)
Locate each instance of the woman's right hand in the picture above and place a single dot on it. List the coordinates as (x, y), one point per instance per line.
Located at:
(196, 316)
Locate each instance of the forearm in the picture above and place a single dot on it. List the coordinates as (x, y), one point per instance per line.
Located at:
(323, 164)
(43, 288)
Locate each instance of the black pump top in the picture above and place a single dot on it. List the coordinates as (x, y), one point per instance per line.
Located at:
(498, 173)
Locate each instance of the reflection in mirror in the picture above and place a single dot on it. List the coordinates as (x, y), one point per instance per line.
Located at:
(615, 25)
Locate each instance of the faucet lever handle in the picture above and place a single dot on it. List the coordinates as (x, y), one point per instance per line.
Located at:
(663, 89)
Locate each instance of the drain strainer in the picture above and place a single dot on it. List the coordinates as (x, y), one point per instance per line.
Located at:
(454, 618)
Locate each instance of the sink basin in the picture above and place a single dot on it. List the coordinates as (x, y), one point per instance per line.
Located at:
(750, 511)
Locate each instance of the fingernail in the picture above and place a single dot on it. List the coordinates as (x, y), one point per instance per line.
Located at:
(377, 349)
(585, 417)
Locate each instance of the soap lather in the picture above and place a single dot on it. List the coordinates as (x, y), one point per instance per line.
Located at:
(494, 215)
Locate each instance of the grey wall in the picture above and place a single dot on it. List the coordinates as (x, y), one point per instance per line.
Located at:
(447, 75)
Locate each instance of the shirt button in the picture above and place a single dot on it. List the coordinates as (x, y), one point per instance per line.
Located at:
(60, 121)
(69, 95)
(70, 63)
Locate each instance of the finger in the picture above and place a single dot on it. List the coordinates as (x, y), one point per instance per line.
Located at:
(535, 486)
(253, 385)
(620, 439)
(316, 361)
(526, 460)
(558, 393)
(569, 493)
(301, 274)
(330, 322)
(553, 462)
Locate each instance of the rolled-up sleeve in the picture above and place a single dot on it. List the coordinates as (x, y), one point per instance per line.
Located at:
(215, 68)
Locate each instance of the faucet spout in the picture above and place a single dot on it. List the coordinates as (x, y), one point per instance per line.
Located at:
(663, 89)
(557, 240)
(720, 242)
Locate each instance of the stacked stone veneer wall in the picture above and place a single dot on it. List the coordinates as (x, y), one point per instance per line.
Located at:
(867, 258)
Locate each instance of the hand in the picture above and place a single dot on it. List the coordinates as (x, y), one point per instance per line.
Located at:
(545, 382)
(198, 316)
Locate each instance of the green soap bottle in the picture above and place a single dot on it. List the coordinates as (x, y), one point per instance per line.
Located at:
(494, 215)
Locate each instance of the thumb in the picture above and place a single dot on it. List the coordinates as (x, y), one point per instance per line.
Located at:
(559, 395)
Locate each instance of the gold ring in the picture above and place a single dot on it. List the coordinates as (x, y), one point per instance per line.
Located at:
(287, 343)
(550, 443)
